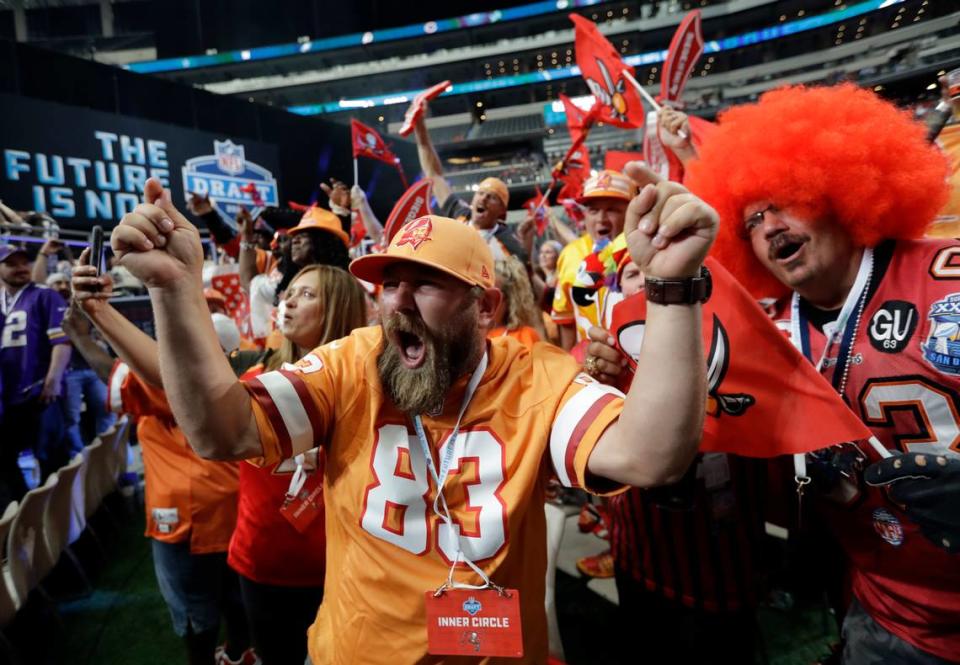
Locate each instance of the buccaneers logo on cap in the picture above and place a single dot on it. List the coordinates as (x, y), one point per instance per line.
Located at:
(604, 181)
(416, 233)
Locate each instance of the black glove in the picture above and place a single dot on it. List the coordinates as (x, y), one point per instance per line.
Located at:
(928, 488)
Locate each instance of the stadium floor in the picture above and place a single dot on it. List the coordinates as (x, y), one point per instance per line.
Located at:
(125, 620)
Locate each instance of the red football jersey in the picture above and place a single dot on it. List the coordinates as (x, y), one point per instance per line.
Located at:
(904, 383)
(265, 547)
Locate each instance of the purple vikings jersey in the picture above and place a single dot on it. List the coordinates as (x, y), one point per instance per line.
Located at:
(29, 328)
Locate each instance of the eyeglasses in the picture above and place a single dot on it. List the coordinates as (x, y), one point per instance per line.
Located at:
(756, 219)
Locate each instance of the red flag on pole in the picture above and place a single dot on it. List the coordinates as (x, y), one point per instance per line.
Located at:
(414, 203)
(368, 143)
(604, 72)
(764, 398)
(539, 212)
(686, 47)
(579, 121)
(415, 111)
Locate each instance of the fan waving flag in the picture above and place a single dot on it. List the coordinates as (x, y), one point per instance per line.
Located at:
(537, 208)
(368, 143)
(415, 111)
(686, 47)
(764, 398)
(605, 74)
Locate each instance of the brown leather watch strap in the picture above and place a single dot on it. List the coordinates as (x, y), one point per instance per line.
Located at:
(687, 291)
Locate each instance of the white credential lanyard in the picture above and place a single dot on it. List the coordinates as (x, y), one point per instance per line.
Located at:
(440, 507)
(298, 479)
(799, 333)
(6, 306)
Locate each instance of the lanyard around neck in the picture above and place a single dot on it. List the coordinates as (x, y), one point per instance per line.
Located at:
(800, 330)
(440, 507)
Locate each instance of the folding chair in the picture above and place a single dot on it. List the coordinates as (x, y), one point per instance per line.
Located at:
(59, 520)
(26, 548)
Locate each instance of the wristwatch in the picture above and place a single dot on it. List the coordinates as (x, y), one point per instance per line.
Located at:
(688, 291)
(247, 245)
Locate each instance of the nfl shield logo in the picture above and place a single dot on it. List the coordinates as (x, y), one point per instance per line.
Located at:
(230, 157)
(471, 606)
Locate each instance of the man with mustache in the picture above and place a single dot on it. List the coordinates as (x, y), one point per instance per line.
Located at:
(605, 198)
(825, 194)
(426, 402)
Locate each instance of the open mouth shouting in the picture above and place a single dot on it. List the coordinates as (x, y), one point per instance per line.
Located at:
(786, 248)
(604, 229)
(410, 340)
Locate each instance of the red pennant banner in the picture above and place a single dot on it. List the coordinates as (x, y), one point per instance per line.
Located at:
(415, 111)
(615, 160)
(368, 143)
(764, 398)
(414, 203)
(686, 47)
(604, 72)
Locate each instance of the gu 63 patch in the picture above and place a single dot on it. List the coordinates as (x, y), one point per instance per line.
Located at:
(941, 348)
(892, 326)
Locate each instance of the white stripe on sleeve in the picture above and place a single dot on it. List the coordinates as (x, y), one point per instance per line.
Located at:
(117, 377)
(566, 422)
(292, 410)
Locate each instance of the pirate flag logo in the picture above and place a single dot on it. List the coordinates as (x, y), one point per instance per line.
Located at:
(734, 404)
(609, 93)
(415, 233)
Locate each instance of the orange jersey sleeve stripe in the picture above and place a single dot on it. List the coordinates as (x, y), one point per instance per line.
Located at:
(262, 398)
(574, 420)
(288, 405)
(115, 386)
(578, 435)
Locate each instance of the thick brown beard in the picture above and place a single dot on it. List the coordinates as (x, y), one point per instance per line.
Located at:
(449, 354)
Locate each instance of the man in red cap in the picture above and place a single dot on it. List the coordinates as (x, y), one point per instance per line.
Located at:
(487, 210)
(825, 194)
(605, 197)
(439, 442)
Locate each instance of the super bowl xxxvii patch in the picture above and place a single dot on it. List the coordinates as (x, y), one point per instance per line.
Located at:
(942, 347)
(888, 526)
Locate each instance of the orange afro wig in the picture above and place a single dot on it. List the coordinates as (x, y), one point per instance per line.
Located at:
(841, 154)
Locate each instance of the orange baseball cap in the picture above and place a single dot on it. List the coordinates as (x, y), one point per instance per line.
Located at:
(438, 242)
(496, 186)
(609, 184)
(317, 218)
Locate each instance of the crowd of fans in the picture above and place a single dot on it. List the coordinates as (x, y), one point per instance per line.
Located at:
(333, 378)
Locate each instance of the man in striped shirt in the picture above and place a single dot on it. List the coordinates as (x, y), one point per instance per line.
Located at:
(495, 416)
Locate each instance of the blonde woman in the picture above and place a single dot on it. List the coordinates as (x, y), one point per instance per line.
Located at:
(518, 315)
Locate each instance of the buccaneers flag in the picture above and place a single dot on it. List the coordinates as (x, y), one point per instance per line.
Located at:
(537, 211)
(686, 47)
(764, 398)
(579, 121)
(605, 75)
(368, 143)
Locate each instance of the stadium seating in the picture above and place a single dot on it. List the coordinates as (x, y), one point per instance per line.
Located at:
(25, 543)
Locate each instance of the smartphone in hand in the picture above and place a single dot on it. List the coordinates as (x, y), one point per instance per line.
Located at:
(96, 249)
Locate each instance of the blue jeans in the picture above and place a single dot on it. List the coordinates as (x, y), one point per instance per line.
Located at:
(83, 385)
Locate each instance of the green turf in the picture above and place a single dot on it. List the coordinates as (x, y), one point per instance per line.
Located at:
(126, 622)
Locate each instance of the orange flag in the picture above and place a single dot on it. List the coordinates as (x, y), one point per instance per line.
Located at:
(764, 399)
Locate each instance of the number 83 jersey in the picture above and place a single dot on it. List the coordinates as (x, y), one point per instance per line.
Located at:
(533, 414)
(904, 383)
